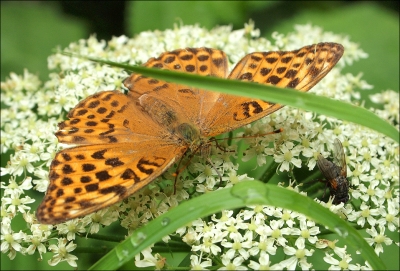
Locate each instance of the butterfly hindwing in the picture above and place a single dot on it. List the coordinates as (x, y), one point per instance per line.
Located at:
(190, 104)
(201, 61)
(108, 117)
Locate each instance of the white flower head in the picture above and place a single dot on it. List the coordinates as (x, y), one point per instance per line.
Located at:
(247, 237)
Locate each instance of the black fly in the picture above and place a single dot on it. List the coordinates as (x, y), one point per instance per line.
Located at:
(335, 173)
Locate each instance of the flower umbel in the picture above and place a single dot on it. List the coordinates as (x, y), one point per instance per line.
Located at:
(247, 238)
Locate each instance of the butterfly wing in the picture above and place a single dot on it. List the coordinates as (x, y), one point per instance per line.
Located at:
(115, 157)
(300, 69)
(215, 113)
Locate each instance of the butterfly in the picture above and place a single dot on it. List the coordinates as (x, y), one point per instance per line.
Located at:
(335, 173)
(125, 141)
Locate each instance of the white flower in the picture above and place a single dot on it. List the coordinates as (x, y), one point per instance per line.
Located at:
(307, 230)
(38, 237)
(323, 243)
(389, 99)
(70, 228)
(208, 175)
(244, 238)
(232, 264)
(343, 264)
(378, 239)
(288, 217)
(101, 218)
(62, 253)
(10, 241)
(16, 203)
(275, 231)
(197, 263)
(287, 156)
(14, 188)
(239, 244)
(299, 256)
(149, 259)
(16, 83)
(264, 245)
(390, 216)
(366, 214)
(263, 263)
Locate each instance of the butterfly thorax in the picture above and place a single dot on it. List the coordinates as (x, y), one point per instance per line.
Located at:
(191, 135)
(180, 129)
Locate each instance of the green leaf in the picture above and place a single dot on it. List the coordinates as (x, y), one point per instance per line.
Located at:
(241, 195)
(307, 101)
(29, 32)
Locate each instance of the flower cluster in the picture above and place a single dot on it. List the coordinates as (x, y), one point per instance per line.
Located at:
(247, 239)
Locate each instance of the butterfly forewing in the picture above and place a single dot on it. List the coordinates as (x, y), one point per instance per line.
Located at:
(300, 69)
(120, 160)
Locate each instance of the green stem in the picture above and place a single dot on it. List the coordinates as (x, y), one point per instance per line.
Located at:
(93, 250)
(160, 249)
(110, 238)
(269, 172)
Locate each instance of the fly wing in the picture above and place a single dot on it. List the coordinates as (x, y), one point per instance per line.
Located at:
(327, 168)
(339, 157)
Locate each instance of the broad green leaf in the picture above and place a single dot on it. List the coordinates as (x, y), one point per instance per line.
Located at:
(241, 195)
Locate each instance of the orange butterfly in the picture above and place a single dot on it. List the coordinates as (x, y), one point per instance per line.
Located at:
(126, 141)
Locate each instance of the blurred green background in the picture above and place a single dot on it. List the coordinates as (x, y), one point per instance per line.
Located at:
(31, 30)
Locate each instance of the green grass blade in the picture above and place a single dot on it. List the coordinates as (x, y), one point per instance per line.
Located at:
(241, 195)
(291, 97)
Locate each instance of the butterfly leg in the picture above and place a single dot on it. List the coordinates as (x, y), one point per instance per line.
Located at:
(179, 169)
(219, 174)
(219, 146)
(176, 174)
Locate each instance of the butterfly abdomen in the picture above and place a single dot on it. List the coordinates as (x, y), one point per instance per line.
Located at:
(159, 111)
(166, 116)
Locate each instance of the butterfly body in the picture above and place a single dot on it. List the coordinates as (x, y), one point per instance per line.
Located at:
(125, 141)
